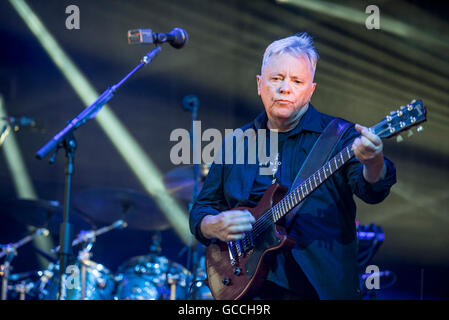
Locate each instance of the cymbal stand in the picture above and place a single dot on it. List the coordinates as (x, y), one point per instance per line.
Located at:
(10, 251)
(84, 255)
(22, 288)
(191, 103)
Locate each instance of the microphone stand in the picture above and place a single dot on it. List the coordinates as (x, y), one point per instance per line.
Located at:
(191, 103)
(65, 139)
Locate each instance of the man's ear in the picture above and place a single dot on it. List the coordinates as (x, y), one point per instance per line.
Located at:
(258, 77)
(313, 90)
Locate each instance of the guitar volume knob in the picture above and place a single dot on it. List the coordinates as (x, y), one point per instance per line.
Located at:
(237, 271)
(226, 281)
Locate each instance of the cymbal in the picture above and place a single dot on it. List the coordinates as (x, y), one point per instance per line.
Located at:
(41, 214)
(180, 181)
(107, 205)
(36, 213)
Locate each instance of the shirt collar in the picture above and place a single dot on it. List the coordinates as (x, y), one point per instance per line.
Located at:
(310, 121)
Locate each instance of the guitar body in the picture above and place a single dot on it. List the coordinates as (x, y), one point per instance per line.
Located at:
(244, 279)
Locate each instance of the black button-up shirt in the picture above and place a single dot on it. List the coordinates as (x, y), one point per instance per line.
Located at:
(324, 229)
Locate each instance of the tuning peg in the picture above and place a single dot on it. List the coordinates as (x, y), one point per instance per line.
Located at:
(410, 133)
(420, 128)
(399, 139)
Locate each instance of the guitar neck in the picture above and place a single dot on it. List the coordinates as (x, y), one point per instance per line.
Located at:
(310, 184)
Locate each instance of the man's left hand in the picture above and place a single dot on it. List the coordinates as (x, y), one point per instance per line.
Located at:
(368, 150)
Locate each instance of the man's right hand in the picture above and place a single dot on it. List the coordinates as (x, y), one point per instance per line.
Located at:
(228, 225)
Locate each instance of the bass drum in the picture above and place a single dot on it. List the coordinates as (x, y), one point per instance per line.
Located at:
(152, 278)
(100, 284)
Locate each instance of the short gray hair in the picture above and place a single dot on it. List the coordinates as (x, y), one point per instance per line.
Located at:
(297, 45)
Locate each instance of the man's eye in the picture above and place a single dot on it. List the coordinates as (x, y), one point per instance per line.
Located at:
(276, 78)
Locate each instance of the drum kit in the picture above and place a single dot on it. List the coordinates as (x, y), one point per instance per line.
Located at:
(146, 277)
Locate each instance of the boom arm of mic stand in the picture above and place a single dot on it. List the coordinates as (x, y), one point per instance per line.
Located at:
(93, 109)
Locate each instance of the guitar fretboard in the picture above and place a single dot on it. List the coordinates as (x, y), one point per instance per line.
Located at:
(310, 184)
(298, 194)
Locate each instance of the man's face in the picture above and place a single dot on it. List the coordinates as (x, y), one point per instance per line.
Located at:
(285, 86)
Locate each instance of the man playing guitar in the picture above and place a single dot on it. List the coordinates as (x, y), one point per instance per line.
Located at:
(323, 261)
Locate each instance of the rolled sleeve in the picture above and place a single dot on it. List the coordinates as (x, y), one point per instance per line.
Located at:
(210, 201)
(371, 192)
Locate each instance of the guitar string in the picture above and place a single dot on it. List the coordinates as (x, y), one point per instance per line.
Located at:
(267, 219)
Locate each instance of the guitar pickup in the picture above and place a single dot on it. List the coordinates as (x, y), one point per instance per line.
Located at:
(248, 242)
(239, 248)
(232, 255)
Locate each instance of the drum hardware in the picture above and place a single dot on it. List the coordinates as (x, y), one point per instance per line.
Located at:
(370, 238)
(36, 213)
(86, 266)
(90, 236)
(10, 252)
(22, 289)
(151, 277)
(106, 205)
(180, 182)
(98, 282)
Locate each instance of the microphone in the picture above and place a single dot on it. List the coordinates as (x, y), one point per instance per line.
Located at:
(20, 122)
(177, 38)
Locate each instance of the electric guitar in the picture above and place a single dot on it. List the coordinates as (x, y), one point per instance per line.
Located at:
(237, 269)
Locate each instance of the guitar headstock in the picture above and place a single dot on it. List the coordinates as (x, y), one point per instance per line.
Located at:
(401, 120)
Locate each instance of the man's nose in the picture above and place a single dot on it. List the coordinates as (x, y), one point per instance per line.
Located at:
(284, 87)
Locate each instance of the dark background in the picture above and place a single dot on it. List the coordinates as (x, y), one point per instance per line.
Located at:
(362, 75)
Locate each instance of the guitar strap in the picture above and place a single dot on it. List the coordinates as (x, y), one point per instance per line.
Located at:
(320, 153)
